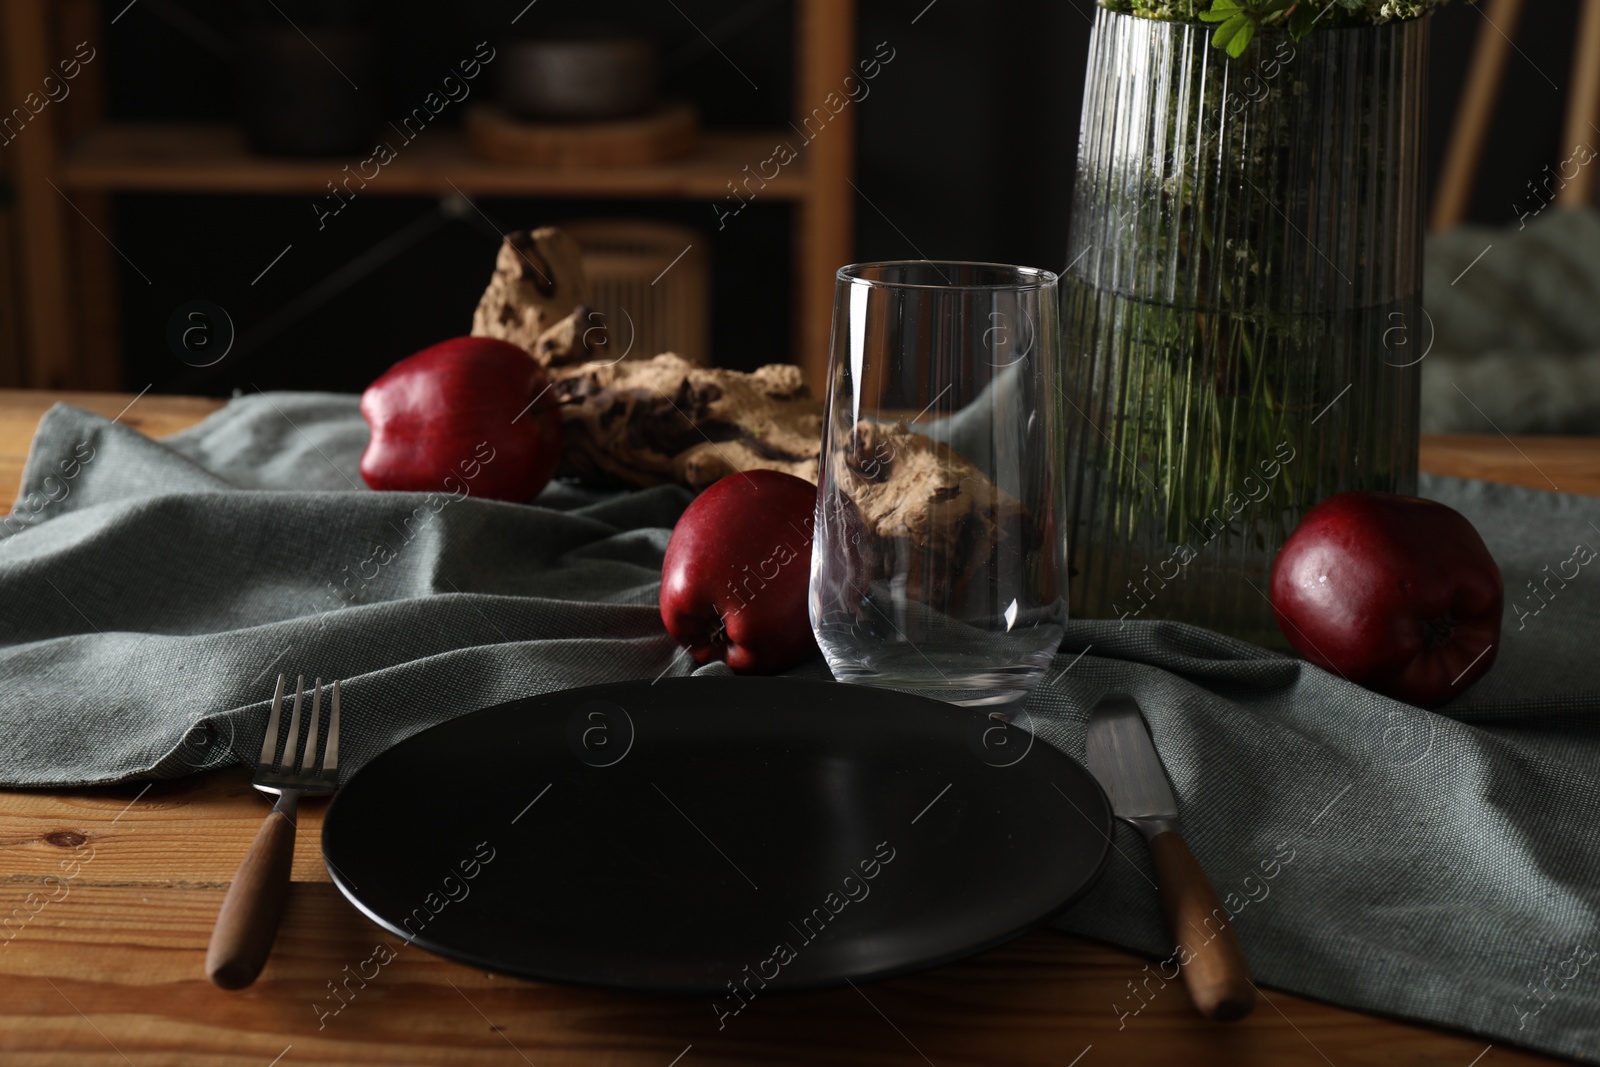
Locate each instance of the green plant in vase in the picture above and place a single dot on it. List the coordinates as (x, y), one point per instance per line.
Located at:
(1244, 261)
(1298, 16)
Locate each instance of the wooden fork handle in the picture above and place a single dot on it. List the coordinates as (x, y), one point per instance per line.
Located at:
(248, 921)
(1215, 971)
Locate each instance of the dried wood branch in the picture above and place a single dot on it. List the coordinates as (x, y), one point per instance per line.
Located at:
(664, 420)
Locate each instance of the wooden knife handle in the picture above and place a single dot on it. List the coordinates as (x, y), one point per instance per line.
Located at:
(1214, 967)
(248, 921)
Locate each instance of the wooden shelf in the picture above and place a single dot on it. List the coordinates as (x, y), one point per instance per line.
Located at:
(68, 265)
(192, 157)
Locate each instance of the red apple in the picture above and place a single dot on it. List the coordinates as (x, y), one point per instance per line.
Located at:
(1392, 592)
(735, 578)
(469, 416)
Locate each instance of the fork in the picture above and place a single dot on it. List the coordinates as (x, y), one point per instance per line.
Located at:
(248, 921)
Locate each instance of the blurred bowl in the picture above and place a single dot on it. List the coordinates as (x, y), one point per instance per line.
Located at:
(578, 78)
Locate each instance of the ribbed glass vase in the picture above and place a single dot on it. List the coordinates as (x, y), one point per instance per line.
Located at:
(1241, 306)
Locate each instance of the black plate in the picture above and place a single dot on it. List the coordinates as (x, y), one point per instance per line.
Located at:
(667, 837)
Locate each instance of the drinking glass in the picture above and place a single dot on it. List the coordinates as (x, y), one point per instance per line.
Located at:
(937, 564)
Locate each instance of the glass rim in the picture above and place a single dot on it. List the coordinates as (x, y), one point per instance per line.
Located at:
(1025, 278)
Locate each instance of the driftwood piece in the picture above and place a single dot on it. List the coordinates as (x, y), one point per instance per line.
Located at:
(664, 420)
(911, 488)
(647, 422)
(538, 281)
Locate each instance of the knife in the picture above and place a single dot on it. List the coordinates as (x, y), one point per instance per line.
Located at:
(1123, 759)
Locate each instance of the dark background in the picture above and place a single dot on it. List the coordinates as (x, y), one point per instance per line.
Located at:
(965, 150)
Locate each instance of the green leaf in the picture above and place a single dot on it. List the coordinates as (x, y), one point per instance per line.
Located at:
(1221, 11)
(1241, 40)
(1301, 20)
(1234, 35)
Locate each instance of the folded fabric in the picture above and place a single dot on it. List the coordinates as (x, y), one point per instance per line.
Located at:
(1442, 867)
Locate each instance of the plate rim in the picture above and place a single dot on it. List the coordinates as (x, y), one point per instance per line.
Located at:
(500, 966)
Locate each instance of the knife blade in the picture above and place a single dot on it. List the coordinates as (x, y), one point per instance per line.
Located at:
(1123, 759)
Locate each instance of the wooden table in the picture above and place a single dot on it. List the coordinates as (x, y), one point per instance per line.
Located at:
(109, 973)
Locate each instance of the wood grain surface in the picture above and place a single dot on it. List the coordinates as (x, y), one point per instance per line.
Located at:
(108, 895)
(172, 157)
(1554, 464)
(113, 967)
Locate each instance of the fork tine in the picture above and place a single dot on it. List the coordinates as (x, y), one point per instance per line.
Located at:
(294, 725)
(310, 759)
(269, 743)
(330, 761)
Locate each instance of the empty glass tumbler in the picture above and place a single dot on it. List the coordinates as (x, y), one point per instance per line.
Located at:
(937, 566)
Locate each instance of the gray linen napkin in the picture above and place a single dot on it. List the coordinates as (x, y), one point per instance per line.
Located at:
(1437, 867)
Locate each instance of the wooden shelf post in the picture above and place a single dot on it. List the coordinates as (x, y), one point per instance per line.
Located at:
(825, 38)
(1583, 110)
(47, 335)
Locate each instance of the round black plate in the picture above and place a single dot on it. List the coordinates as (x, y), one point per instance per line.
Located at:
(680, 836)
